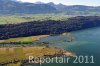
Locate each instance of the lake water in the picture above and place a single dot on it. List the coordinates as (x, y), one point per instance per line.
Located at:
(86, 43)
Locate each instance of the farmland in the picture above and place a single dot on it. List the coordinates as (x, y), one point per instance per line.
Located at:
(14, 19)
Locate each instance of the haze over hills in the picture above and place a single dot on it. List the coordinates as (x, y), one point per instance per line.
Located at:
(16, 7)
(13, 7)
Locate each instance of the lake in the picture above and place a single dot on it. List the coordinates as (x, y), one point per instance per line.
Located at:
(86, 43)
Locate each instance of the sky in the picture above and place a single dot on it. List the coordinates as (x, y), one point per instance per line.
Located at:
(69, 2)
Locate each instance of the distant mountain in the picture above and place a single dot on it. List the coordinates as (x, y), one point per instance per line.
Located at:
(82, 8)
(13, 7)
(39, 2)
(77, 9)
(14, 0)
(16, 7)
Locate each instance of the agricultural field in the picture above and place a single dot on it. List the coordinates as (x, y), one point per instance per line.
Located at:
(13, 19)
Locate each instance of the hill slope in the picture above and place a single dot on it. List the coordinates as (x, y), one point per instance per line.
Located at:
(48, 27)
(13, 7)
(16, 7)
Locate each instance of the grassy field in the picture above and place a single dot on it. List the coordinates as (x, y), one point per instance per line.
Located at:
(13, 19)
(24, 39)
(8, 55)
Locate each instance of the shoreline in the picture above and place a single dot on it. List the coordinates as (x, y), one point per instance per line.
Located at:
(24, 39)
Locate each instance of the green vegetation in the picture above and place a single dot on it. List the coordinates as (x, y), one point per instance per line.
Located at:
(48, 27)
(27, 18)
(22, 39)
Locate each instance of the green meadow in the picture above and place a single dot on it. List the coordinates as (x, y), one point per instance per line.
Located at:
(13, 19)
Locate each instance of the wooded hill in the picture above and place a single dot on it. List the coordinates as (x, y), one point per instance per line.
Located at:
(48, 27)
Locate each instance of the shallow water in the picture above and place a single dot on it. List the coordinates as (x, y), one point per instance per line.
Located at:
(86, 43)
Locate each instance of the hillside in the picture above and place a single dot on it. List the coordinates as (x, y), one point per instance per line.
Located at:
(48, 27)
(76, 9)
(16, 7)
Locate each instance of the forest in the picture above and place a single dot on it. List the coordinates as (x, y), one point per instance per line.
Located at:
(48, 27)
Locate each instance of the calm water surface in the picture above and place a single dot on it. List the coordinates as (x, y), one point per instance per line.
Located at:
(87, 42)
